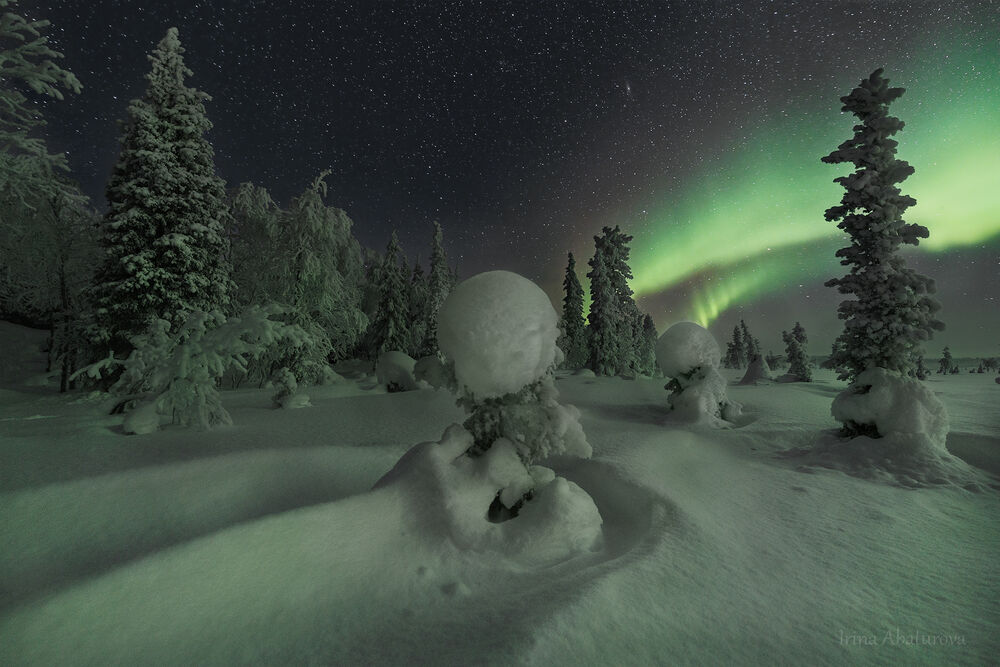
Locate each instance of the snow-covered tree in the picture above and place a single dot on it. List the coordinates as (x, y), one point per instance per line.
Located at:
(439, 284)
(798, 363)
(389, 330)
(164, 233)
(614, 334)
(573, 340)
(418, 298)
(946, 364)
(27, 169)
(921, 372)
(47, 254)
(254, 225)
(172, 373)
(688, 354)
(893, 310)
(647, 346)
(751, 346)
(736, 356)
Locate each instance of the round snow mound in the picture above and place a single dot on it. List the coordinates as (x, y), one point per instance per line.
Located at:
(684, 347)
(500, 330)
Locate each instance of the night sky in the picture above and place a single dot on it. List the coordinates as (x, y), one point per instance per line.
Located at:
(526, 127)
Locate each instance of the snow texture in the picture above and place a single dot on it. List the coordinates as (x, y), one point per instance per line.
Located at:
(395, 370)
(434, 372)
(684, 347)
(453, 489)
(500, 331)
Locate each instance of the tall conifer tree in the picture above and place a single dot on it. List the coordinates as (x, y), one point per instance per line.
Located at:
(893, 310)
(574, 327)
(164, 233)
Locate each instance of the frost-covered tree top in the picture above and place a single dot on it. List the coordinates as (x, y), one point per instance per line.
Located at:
(500, 330)
(893, 311)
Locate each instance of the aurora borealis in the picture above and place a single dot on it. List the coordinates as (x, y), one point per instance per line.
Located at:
(770, 197)
(524, 128)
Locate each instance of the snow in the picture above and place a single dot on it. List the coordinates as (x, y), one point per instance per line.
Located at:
(684, 347)
(395, 370)
(757, 371)
(265, 542)
(500, 330)
(688, 353)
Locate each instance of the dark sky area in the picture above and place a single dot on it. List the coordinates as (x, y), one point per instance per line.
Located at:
(524, 127)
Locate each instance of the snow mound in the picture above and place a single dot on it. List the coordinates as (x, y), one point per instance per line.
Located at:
(757, 371)
(432, 371)
(684, 347)
(500, 330)
(894, 405)
(395, 370)
(904, 428)
(142, 420)
(454, 492)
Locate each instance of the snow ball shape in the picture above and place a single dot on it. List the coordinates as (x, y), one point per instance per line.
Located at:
(684, 347)
(500, 331)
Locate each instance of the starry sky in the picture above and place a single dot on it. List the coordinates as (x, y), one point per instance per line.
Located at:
(524, 127)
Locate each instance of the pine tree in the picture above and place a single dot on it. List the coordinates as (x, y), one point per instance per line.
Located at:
(574, 340)
(798, 363)
(613, 349)
(893, 311)
(26, 59)
(418, 297)
(736, 350)
(647, 351)
(603, 342)
(389, 330)
(946, 364)
(751, 346)
(164, 233)
(439, 284)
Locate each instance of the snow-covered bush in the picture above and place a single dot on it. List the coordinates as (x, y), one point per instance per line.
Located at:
(395, 370)
(499, 330)
(688, 353)
(174, 374)
(287, 393)
(882, 403)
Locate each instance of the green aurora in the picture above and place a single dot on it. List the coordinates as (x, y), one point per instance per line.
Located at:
(752, 226)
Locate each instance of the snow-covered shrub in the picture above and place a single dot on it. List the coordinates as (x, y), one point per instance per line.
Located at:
(287, 393)
(395, 370)
(898, 429)
(176, 373)
(499, 329)
(883, 403)
(453, 489)
(688, 353)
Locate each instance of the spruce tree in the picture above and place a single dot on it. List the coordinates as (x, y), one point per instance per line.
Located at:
(390, 329)
(615, 349)
(893, 310)
(735, 350)
(647, 350)
(946, 364)
(418, 297)
(439, 284)
(798, 363)
(574, 340)
(164, 233)
(751, 346)
(603, 342)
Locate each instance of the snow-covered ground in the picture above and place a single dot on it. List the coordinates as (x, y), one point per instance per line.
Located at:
(264, 543)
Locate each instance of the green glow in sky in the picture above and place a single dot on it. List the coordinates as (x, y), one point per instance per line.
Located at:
(735, 218)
